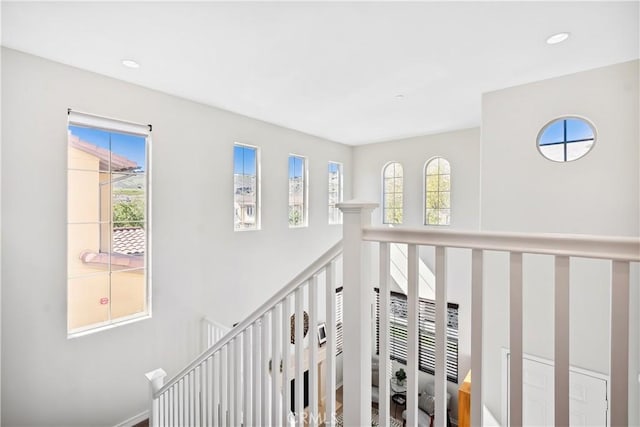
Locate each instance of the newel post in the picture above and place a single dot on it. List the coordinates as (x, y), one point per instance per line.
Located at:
(156, 381)
(357, 296)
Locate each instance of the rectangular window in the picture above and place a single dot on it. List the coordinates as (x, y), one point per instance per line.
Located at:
(398, 333)
(335, 192)
(108, 223)
(297, 191)
(246, 188)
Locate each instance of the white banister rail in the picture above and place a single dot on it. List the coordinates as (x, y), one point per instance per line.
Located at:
(239, 380)
(620, 251)
(574, 245)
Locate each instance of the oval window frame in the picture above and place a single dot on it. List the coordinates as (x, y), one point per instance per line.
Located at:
(557, 119)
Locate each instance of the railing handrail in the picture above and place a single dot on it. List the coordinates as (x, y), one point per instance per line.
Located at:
(301, 278)
(576, 245)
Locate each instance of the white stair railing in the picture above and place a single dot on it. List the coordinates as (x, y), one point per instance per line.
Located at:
(358, 234)
(233, 383)
(212, 332)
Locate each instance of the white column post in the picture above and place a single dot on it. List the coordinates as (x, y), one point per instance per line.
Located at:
(156, 381)
(357, 314)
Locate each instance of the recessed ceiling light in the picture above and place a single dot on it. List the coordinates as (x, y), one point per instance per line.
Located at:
(399, 96)
(557, 38)
(130, 63)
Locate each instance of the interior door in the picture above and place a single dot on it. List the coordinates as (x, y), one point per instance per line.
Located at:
(588, 396)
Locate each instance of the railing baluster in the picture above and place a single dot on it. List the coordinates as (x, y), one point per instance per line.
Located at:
(313, 351)
(231, 401)
(247, 378)
(181, 406)
(476, 336)
(162, 406)
(215, 390)
(619, 345)
(210, 391)
(172, 403)
(384, 350)
(299, 357)
(330, 382)
(440, 381)
(561, 341)
(224, 377)
(199, 395)
(206, 396)
(187, 402)
(257, 335)
(515, 339)
(286, 346)
(264, 369)
(412, 336)
(237, 344)
(276, 376)
(193, 396)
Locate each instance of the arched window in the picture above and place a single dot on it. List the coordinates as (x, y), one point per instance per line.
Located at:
(437, 187)
(392, 193)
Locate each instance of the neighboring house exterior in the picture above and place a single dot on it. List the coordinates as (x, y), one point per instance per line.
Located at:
(94, 243)
(244, 201)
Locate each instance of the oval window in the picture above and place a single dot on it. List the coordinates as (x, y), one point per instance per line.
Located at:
(566, 139)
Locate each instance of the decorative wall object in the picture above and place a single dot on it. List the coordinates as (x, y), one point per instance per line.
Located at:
(293, 326)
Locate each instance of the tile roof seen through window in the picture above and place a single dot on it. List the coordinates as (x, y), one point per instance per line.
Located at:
(129, 240)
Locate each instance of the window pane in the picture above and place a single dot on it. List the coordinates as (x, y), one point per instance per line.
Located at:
(88, 300)
(443, 166)
(553, 133)
(432, 167)
(129, 244)
(83, 250)
(245, 188)
(578, 129)
(392, 193)
(128, 194)
(297, 188)
(89, 149)
(553, 152)
(334, 192)
(444, 200)
(388, 171)
(128, 153)
(432, 200)
(128, 294)
(432, 183)
(575, 150)
(84, 196)
(444, 217)
(444, 182)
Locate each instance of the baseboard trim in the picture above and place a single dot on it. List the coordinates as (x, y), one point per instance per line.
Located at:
(134, 420)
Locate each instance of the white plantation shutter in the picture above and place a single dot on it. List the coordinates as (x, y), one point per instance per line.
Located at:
(426, 332)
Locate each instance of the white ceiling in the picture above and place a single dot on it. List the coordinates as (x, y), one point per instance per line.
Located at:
(330, 69)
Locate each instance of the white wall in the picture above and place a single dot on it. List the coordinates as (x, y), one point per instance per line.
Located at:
(598, 194)
(200, 265)
(462, 149)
